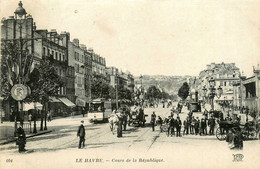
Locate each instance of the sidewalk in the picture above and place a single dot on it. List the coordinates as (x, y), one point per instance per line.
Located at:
(7, 128)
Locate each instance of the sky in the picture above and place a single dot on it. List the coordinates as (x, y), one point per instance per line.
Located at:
(155, 37)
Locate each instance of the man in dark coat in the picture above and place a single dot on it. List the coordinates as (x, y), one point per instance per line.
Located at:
(160, 122)
(238, 139)
(171, 122)
(153, 119)
(120, 125)
(186, 126)
(197, 126)
(178, 126)
(21, 141)
(230, 138)
(211, 124)
(81, 134)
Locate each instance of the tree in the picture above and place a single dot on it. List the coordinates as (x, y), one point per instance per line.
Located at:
(153, 93)
(184, 91)
(100, 88)
(43, 82)
(124, 93)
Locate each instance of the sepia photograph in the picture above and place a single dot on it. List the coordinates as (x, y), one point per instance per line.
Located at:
(154, 84)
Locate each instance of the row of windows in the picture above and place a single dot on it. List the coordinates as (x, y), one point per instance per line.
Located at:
(62, 91)
(224, 83)
(60, 72)
(82, 58)
(79, 80)
(227, 75)
(99, 59)
(79, 68)
(56, 55)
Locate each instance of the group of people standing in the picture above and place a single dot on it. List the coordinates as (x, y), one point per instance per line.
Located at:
(191, 125)
(199, 126)
(173, 124)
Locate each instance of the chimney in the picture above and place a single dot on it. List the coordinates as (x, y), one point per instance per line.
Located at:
(76, 42)
(82, 46)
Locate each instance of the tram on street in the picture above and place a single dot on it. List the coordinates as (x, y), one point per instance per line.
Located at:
(100, 110)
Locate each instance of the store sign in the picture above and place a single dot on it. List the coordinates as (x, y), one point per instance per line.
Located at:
(19, 92)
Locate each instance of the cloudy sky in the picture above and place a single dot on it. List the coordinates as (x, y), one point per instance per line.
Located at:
(155, 37)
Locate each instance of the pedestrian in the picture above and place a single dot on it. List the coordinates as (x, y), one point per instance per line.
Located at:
(160, 122)
(21, 140)
(192, 125)
(153, 118)
(124, 118)
(238, 139)
(81, 134)
(171, 126)
(202, 126)
(197, 126)
(211, 124)
(178, 126)
(186, 126)
(49, 116)
(120, 123)
(230, 138)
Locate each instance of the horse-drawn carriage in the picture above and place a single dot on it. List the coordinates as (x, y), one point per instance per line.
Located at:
(137, 116)
(249, 129)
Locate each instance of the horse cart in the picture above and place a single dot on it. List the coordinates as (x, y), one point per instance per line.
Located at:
(137, 116)
(249, 129)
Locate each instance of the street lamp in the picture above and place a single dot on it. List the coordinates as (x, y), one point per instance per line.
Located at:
(210, 93)
(20, 14)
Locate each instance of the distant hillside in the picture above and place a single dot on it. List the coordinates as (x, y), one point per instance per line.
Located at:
(169, 84)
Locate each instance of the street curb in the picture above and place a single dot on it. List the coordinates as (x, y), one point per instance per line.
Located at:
(37, 134)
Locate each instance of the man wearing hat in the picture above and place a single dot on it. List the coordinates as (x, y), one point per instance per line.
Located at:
(211, 124)
(81, 134)
(153, 119)
(197, 125)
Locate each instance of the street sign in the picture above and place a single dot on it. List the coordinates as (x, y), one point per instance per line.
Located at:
(19, 92)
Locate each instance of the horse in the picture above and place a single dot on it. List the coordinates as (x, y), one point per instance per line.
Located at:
(113, 121)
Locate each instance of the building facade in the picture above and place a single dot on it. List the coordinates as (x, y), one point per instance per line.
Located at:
(224, 74)
(77, 60)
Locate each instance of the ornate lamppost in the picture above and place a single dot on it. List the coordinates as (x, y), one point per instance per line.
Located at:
(210, 92)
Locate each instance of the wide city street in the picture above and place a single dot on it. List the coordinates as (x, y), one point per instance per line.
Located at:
(138, 143)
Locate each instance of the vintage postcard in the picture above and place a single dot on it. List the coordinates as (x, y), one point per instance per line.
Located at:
(130, 84)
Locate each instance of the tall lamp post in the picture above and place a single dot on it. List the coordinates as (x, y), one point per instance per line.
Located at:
(20, 15)
(210, 92)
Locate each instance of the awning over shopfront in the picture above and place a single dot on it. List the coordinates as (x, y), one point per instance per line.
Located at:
(32, 105)
(54, 99)
(67, 102)
(80, 102)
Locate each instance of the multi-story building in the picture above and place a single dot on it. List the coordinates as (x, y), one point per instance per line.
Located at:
(54, 47)
(247, 92)
(88, 74)
(224, 74)
(112, 73)
(42, 45)
(77, 59)
(98, 64)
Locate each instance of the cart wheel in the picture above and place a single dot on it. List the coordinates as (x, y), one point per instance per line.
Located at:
(220, 135)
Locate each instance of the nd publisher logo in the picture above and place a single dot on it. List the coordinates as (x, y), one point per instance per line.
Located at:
(237, 157)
